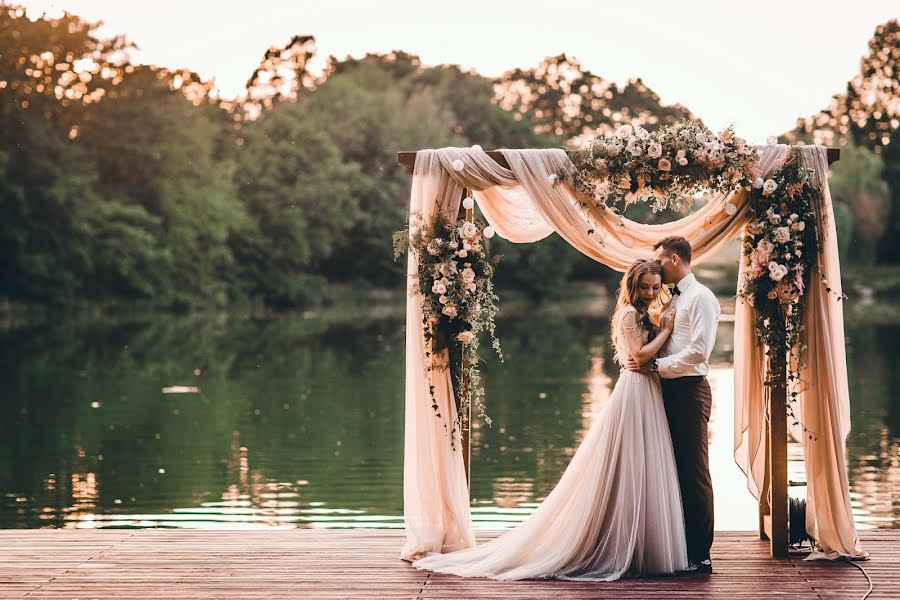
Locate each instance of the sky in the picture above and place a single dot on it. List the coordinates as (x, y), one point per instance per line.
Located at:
(755, 65)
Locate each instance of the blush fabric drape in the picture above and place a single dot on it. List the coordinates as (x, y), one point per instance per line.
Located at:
(524, 205)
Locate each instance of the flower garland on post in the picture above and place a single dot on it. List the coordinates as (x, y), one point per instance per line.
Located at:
(455, 280)
(782, 247)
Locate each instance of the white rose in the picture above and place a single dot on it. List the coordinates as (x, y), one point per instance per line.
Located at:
(441, 289)
(434, 247)
(614, 149)
(466, 337)
(454, 245)
(778, 273)
(624, 132)
(468, 230)
(471, 287)
(700, 138)
(798, 226)
(468, 276)
(641, 133)
(769, 186)
(442, 299)
(655, 150)
(488, 232)
(449, 310)
(467, 246)
(462, 254)
(767, 247)
(682, 161)
(444, 280)
(634, 149)
(782, 235)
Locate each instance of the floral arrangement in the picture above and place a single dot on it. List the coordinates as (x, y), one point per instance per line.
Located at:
(668, 167)
(455, 280)
(781, 245)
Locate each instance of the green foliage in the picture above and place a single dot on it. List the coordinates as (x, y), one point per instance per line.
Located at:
(302, 199)
(128, 182)
(856, 184)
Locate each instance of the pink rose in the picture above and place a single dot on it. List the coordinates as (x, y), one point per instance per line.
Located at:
(466, 337)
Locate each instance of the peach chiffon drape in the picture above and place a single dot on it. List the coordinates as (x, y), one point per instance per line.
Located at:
(524, 205)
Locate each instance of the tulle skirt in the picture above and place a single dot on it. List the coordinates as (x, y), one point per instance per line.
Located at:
(616, 512)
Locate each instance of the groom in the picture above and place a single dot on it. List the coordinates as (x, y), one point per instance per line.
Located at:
(682, 368)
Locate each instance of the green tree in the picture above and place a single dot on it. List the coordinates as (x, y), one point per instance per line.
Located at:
(856, 183)
(302, 198)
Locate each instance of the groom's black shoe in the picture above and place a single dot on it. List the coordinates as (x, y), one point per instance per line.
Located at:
(704, 567)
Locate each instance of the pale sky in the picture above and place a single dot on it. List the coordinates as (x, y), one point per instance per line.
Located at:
(757, 65)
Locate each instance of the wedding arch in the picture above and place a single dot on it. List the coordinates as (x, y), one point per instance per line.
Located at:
(527, 194)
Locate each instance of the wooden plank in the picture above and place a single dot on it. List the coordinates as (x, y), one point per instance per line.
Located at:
(408, 159)
(310, 563)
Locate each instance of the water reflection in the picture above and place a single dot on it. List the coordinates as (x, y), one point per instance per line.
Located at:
(297, 422)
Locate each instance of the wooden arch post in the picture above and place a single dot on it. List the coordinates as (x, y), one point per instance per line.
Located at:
(773, 498)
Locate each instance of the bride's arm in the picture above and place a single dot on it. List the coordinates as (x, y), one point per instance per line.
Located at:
(641, 352)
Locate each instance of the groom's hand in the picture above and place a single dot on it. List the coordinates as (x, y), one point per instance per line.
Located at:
(635, 367)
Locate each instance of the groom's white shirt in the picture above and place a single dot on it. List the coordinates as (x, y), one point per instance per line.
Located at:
(687, 350)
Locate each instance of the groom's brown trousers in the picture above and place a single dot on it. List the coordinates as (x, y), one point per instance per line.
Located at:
(688, 401)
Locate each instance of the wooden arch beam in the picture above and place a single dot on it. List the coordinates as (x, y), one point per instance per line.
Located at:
(408, 159)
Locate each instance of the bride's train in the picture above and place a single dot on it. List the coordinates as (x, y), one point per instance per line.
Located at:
(616, 512)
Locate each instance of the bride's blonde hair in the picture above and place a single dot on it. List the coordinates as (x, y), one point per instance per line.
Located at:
(629, 295)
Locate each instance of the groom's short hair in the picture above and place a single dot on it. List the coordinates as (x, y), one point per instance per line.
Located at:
(676, 244)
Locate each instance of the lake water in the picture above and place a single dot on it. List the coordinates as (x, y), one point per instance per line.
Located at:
(297, 421)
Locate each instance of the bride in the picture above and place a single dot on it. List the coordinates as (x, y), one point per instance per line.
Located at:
(616, 512)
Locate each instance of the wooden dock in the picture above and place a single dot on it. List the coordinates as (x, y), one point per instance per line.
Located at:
(308, 563)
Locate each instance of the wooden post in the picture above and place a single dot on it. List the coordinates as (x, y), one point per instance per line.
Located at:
(774, 509)
(777, 459)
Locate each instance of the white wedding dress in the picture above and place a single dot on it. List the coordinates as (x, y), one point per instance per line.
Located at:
(616, 512)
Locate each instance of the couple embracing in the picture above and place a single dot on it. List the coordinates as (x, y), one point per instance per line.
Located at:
(636, 499)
